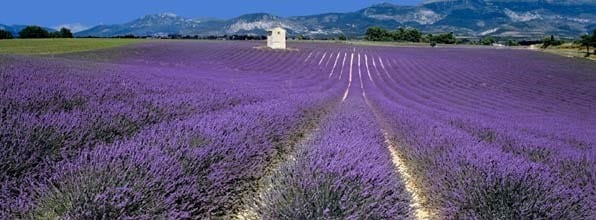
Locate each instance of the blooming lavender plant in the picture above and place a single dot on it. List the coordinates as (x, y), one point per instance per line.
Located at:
(487, 146)
(330, 131)
(118, 181)
(343, 172)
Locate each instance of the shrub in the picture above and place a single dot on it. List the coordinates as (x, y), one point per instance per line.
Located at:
(119, 181)
(498, 190)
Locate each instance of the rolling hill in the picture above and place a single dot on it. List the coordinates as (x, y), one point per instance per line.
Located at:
(506, 18)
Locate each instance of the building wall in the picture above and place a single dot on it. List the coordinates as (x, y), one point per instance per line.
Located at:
(276, 39)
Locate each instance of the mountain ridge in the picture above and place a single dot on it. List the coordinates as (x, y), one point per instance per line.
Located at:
(502, 18)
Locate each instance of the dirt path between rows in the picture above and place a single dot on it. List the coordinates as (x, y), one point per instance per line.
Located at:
(414, 189)
(301, 141)
(398, 160)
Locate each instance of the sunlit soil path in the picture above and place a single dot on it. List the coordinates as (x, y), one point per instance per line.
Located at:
(250, 208)
(413, 188)
(360, 62)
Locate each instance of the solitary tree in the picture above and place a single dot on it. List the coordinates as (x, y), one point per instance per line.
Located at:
(65, 33)
(33, 32)
(550, 41)
(5, 34)
(587, 41)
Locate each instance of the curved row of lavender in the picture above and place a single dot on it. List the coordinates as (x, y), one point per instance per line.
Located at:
(209, 129)
(493, 134)
(343, 171)
(90, 137)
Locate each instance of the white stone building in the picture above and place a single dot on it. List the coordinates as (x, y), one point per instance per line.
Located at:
(276, 38)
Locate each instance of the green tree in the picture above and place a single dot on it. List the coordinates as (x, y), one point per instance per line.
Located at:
(65, 33)
(409, 35)
(54, 34)
(377, 34)
(588, 41)
(62, 33)
(33, 32)
(398, 35)
(300, 37)
(5, 35)
(550, 41)
(427, 38)
(342, 37)
(512, 43)
(448, 38)
(401, 34)
(594, 39)
(487, 41)
(413, 35)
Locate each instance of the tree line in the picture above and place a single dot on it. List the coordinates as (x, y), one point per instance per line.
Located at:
(37, 32)
(408, 35)
(586, 40)
(413, 35)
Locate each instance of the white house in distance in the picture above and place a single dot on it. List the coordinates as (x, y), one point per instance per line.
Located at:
(276, 38)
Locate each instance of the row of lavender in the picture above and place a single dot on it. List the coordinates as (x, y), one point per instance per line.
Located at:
(51, 106)
(182, 129)
(85, 139)
(343, 171)
(490, 134)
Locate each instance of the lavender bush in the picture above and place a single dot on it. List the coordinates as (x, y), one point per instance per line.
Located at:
(119, 181)
(207, 130)
(343, 172)
(497, 151)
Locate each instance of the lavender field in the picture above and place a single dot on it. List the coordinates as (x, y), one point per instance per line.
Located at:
(221, 130)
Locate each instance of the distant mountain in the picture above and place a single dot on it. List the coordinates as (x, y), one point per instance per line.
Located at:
(158, 24)
(168, 23)
(507, 18)
(15, 29)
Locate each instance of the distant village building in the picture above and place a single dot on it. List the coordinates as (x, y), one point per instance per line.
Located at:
(276, 38)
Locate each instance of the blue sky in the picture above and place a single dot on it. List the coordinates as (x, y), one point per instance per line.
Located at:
(52, 13)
